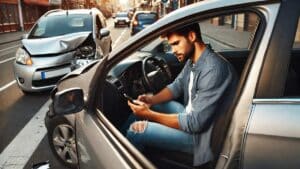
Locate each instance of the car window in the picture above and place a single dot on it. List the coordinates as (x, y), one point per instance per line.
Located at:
(98, 23)
(121, 15)
(230, 32)
(292, 87)
(47, 26)
(144, 16)
(230, 37)
(128, 76)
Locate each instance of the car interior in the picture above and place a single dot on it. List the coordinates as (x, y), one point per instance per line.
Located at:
(149, 69)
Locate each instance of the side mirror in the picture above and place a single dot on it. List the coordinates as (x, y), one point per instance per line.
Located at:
(25, 36)
(68, 101)
(104, 32)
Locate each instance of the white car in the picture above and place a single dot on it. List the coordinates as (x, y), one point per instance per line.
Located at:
(59, 42)
(121, 18)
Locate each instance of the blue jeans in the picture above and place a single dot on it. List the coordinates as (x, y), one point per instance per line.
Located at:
(160, 136)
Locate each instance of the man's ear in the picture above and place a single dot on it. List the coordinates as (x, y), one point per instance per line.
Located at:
(192, 36)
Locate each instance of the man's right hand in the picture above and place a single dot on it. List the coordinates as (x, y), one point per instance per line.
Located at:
(146, 98)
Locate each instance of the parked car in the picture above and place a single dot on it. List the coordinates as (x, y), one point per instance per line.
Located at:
(259, 131)
(142, 19)
(59, 42)
(121, 18)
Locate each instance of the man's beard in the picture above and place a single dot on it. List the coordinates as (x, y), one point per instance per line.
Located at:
(189, 54)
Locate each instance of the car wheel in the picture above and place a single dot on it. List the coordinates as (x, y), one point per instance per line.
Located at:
(61, 136)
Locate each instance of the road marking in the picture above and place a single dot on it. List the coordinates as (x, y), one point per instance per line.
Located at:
(7, 85)
(1, 50)
(119, 38)
(19, 151)
(6, 60)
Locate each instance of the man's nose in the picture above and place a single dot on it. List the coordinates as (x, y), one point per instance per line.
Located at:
(174, 50)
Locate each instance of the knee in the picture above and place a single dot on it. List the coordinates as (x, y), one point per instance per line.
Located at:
(135, 133)
(138, 126)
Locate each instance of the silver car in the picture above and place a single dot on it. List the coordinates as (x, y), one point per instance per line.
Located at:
(261, 129)
(59, 42)
(121, 18)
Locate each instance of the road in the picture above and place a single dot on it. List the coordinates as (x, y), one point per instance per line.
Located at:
(23, 139)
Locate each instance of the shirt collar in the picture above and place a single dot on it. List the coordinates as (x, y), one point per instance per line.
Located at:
(197, 66)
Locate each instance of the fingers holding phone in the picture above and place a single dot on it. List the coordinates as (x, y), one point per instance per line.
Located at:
(139, 108)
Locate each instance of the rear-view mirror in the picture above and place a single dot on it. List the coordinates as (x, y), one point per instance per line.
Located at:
(68, 101)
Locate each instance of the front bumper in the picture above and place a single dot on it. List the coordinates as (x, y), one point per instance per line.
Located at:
(44, 73)
(122, 22)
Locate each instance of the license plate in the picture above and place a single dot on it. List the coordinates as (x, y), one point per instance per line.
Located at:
(55, 73)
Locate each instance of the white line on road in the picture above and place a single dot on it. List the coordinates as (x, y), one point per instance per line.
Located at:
(119, 38)
(7, 85)
(19, 151)
(6, 60)
(9, 48)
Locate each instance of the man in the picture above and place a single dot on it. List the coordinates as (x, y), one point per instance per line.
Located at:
(207, 83)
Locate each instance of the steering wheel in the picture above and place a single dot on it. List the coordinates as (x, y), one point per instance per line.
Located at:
(156, 73)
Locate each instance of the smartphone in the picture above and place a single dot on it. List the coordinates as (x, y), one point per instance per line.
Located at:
(128, 98)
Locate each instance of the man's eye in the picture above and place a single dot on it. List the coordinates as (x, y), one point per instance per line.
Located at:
(175, 43)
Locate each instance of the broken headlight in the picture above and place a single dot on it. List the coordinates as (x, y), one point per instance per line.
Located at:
(85, 52)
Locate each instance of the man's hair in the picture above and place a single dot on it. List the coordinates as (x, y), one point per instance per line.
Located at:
(184, 31)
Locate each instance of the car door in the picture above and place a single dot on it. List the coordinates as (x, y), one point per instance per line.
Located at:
(272, 134)
(99, 145)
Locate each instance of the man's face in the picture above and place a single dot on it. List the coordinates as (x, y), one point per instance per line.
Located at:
(182, 47)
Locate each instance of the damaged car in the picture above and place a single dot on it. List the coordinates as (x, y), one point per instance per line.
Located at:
(60, 42)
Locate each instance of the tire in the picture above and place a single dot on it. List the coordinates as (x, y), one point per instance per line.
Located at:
(61, 137)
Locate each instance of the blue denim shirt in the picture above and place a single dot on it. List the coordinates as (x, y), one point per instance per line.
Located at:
(213, 88)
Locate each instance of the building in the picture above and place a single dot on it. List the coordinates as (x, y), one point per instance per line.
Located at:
(19, 15)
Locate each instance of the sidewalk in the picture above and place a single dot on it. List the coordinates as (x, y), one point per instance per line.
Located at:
(10, 37)
(226, 35)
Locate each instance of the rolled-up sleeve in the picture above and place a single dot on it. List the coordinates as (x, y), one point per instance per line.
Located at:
(210, 88)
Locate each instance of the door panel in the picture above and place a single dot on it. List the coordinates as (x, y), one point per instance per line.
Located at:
(273, 135)
(95, 150)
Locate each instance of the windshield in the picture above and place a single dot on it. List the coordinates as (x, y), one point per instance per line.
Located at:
(122, 15)
(56, 25)
(144, 16)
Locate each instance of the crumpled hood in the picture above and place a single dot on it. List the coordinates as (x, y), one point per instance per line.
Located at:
(57, 44)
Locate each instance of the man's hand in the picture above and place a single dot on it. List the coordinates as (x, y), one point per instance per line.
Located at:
(146, 98)
(139, 108)
(142, 110)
